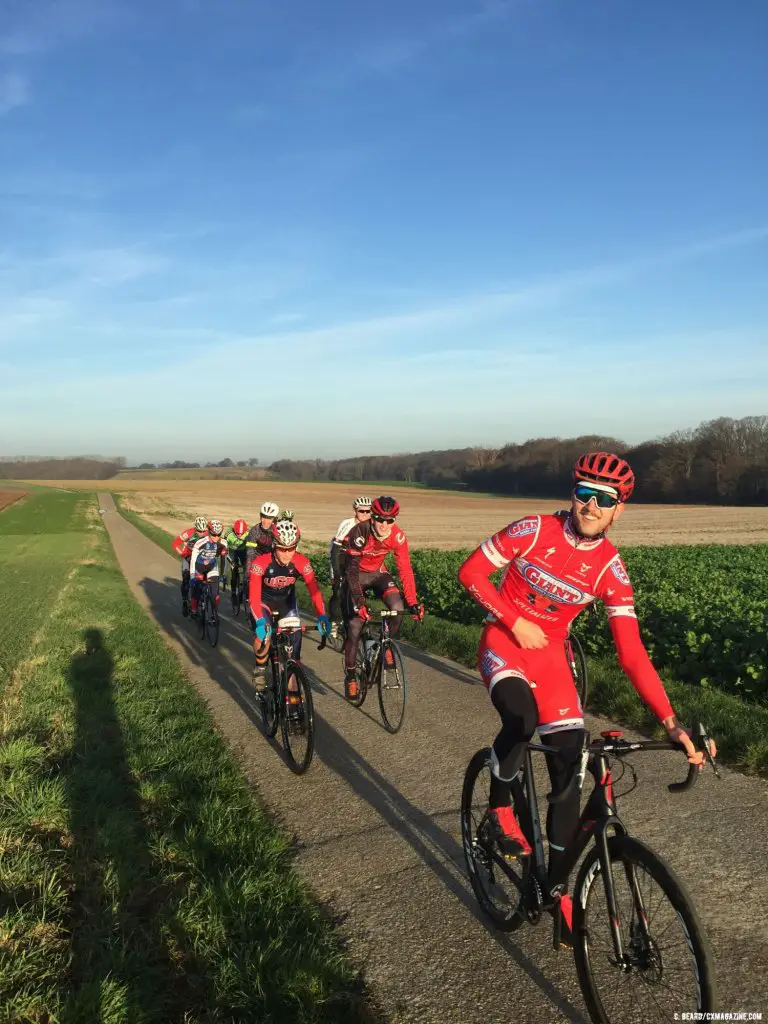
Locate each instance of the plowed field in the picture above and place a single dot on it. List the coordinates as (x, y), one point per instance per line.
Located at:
(431, 518)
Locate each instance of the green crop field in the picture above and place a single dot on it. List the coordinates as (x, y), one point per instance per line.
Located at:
(139, 880)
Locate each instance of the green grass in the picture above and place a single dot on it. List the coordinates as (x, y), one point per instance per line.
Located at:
(139, 879)
(161, 537)
(741, 729)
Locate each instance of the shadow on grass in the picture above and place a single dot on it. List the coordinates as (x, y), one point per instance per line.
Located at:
(121, 914)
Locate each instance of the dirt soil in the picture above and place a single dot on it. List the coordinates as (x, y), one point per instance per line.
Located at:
(376, 827)
(9, 497)
(430, 518)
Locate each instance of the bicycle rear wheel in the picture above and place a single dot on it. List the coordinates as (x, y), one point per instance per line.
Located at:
(577, 661)
(498, 884)
(298, 720)
(211, 620)
(668, 966)
(393, 686)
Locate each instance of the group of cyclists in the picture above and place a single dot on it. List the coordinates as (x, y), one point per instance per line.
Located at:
(267, 557)
(553, 567)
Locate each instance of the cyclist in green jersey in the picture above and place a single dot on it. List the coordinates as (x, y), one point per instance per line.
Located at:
(236, 550)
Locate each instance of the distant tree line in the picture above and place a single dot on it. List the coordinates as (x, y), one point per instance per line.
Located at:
(61, 469)
(180, 464)
(722, 461)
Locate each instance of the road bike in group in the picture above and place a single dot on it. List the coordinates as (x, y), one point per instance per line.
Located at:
(380, 664)
(287, 698)
(641, 952)
(207, 614)
(237, 587)
(577, 662)
(577, 659)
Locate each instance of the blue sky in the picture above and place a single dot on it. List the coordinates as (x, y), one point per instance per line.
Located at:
(237, 228)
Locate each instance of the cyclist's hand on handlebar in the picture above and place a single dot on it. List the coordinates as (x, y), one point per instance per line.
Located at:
(262, 629)
(417, 611)
(682, 736)
(529, 635)
(363, 613)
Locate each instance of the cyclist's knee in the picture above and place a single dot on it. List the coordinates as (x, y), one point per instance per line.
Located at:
(515, 703)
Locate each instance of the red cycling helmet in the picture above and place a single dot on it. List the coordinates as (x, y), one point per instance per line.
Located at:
(386, 507)
(605, 468)
(240, 527)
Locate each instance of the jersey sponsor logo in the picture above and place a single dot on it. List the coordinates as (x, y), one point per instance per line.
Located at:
(563, 711)
(401, 538)
(545, 583)
(618, 570)
(549, 552)
(522, 528)
(280, 582)
(359, 541)
(584, 567)
(491, 663)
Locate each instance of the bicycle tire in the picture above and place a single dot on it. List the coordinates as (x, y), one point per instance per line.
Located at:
(212, 622)
(625, 850)
(201, 612)
(361, 671)
(508, 915)
(577, 661)
(393, 720)
(269, 702)
(298, 721)
(235, 595)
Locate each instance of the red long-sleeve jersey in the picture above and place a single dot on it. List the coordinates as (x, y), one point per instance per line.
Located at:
(184, 543)
(269, 579)
(365, 552)
(551, 574)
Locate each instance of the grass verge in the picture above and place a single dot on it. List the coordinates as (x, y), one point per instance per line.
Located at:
(741, 729)
(139, 879)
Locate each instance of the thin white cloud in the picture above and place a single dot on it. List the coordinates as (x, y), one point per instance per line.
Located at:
(14, 91)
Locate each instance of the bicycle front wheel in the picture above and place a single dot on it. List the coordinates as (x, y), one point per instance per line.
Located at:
(235, 594)
(361, 672)
(269, 701)
(298, 718)
(393, 686)
(498, 885)
(202, 611)
(212, 621)
(667, 965)
(577, 661)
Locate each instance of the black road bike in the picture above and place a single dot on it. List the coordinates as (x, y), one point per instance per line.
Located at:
(287, 698)
(381, 664)
(641, 952)
(207, 614)
(237, 587)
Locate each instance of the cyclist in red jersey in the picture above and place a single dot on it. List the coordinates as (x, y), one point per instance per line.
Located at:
(555, 566)
(364, 550)
(272, 590)
(183, 545)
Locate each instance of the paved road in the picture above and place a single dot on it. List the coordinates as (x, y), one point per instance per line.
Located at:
(376, 827)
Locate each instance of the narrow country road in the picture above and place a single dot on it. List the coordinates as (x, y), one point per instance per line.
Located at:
(377, 828)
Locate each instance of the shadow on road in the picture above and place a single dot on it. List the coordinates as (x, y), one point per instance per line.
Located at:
(230, 665)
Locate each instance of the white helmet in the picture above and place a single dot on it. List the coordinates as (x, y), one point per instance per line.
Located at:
(216, 527)
(201, 523)
(287, 514)
(286, 534)
(363, 502)
(269, 509)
